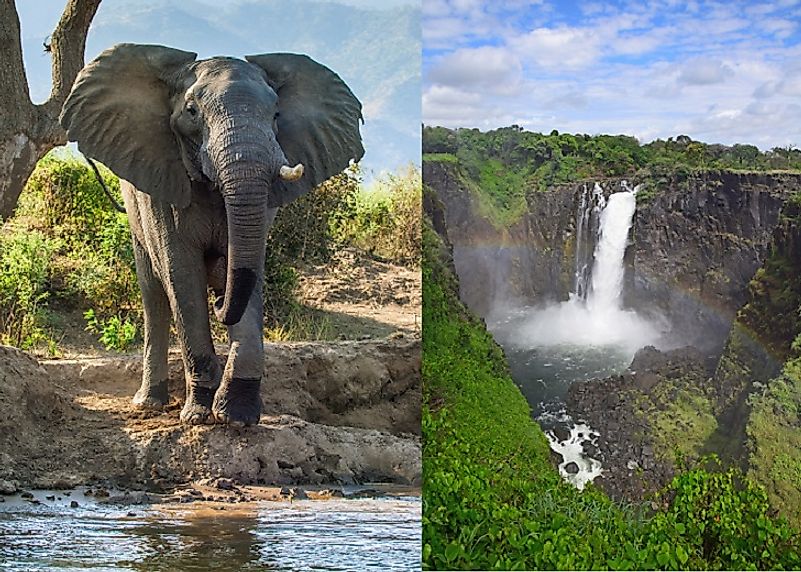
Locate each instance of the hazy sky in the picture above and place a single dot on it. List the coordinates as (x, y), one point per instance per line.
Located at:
(375, 52)
(721, 72)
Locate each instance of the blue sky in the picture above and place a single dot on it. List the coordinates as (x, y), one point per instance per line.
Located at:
(375, 51)
(721, 72)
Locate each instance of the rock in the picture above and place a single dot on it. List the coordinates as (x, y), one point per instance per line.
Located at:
(8, 487)
(572, 468)
(561, 432)
(74, 504)
(590, 450)
(224, 484)
(292, 493)
(130, 497)
(364, 494)
(50, 497)
(26, 495)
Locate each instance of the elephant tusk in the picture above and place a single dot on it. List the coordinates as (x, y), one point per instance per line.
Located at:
(291, 173)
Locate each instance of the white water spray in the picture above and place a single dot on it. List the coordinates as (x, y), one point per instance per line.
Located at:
(593, 315)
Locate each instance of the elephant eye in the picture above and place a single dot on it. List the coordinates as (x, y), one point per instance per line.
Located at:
(191, 109)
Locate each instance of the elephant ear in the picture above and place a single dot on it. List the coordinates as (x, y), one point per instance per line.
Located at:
(119, 113)
(318, 122)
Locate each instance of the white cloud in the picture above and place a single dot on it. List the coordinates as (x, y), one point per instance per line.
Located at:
(562, 47)
(780, 27)
(704, 71)
(488, 68)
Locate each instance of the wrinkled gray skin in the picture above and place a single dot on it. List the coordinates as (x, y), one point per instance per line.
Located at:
(200, 146)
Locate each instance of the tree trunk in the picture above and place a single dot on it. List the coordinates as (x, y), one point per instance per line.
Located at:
(28, 131)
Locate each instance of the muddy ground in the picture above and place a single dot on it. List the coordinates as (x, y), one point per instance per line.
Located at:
(343, 412)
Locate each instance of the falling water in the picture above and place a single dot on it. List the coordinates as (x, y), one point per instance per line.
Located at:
(593, 316)
(607, 272)
(589, 207)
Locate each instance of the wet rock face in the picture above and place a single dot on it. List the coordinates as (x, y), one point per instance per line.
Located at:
(506, 265)
(624, 408)
(695, 246)
(345, 412)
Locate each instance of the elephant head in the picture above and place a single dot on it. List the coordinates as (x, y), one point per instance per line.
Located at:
(261, 132)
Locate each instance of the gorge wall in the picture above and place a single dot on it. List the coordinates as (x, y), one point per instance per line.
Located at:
(696, 242)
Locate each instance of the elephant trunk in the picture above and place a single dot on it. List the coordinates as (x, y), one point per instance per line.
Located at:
(247, 162)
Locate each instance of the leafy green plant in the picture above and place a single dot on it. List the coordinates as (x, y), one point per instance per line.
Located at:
(383, 220)
(24, 276)
(115, 333)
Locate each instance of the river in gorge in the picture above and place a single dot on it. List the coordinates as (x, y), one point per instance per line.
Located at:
(588, 336)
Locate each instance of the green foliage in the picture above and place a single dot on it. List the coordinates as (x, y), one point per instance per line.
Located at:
(775, 434)
(25, 259)
(95, 264)
(493, 501)
(384, 220)
(115, 333)
(302, 233)
(680, 418)
(504, 164)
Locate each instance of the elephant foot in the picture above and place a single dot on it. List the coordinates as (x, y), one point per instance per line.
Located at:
(197, 409)
(151, 396)
(238, 402)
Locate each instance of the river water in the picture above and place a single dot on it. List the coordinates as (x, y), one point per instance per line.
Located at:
(381, 533)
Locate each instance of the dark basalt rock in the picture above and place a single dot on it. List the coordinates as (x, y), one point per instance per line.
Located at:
(612, 406)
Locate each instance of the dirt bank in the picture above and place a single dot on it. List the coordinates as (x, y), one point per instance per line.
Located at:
(334, 412)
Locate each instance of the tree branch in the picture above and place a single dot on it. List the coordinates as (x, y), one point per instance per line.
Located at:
(15, 101)
(68, 43)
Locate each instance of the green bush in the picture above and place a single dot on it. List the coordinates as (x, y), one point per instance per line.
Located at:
(302, 233)
(64, 199)
(115, 333)
(94, 264)
(383, 220)
(25, 259)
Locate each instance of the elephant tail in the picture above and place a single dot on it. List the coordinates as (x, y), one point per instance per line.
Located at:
(117, 206)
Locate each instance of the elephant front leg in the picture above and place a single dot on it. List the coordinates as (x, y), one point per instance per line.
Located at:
(201, 366)
(238, 400)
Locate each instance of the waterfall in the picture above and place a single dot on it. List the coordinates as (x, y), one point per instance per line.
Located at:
(587, 221)
(590, 335)
(593, 316)
(607, 270)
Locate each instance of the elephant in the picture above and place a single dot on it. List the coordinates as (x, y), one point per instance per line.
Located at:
(207, 151)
